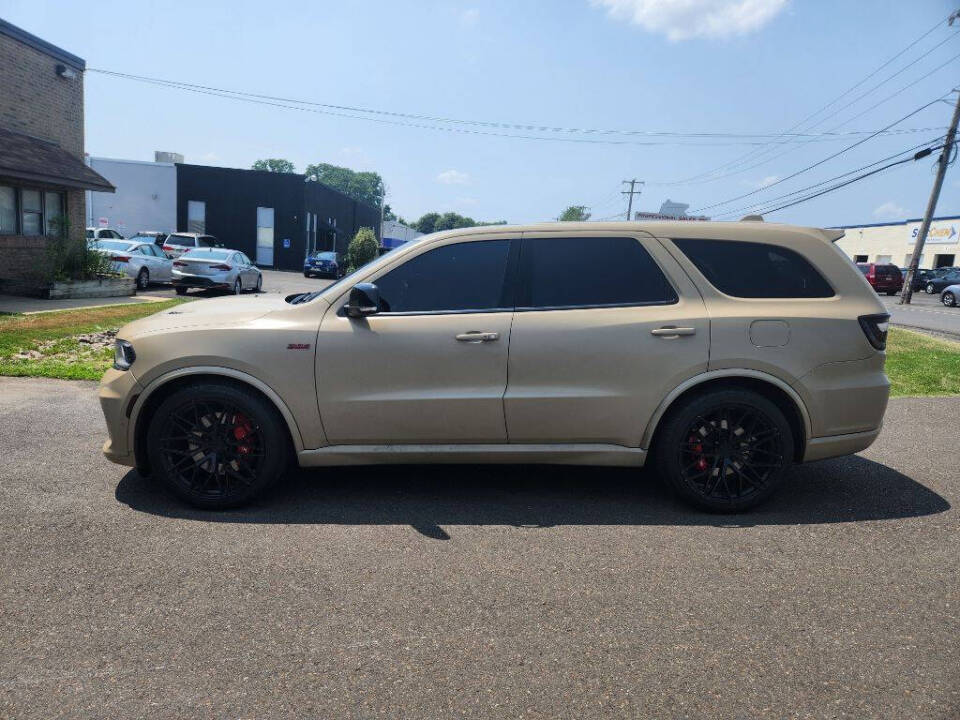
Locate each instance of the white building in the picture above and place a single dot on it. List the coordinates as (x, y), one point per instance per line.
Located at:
(146, 196)
(395, 234)
(893, 242)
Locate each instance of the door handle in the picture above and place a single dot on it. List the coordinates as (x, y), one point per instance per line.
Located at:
(669, 331)
(476, 336)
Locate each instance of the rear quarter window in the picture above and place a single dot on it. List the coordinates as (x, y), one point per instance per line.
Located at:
(755, 270)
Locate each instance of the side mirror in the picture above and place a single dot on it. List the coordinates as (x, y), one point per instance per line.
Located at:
(364, 300)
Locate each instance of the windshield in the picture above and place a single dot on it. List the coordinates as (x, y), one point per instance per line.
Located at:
(325, 256)
(208, 254)
(185, 240)
(111, 245)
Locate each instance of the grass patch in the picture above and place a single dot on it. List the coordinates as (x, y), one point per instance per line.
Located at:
(51, 340)
(919, 364)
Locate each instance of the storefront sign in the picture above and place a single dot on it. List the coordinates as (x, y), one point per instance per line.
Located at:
(940, 233)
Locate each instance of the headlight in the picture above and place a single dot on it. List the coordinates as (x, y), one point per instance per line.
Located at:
(123, 355)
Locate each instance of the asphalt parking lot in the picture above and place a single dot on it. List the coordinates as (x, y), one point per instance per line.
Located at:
(485, 591)
(274, 281)
(925, 312)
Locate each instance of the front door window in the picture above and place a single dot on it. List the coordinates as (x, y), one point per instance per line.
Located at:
(265, 236)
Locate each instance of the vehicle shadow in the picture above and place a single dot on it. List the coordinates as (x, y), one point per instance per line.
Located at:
(427, 497)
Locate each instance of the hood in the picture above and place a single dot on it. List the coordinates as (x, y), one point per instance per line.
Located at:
(231, 310)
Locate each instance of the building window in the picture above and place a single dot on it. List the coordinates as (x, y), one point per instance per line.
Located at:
(54, 215)
(196, 216)
(861, 258)
(8, 210)
(31, 212)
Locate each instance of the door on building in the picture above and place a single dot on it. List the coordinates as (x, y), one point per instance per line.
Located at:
(940, 261)
(265, 236)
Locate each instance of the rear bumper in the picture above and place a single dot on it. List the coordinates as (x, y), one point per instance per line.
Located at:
(837, 445)
(199, 281)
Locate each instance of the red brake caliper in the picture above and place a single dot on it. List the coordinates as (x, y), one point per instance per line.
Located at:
(242, 428)
(696, 446)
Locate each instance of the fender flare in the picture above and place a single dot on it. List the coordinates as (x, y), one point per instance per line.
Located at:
(225, 372)
(716, 375)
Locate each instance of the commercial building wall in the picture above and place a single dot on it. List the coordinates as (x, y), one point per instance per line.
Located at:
(146, 196)
(36, 101)
(894, 242)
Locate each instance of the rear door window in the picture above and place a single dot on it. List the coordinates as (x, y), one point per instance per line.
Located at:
(575, 272)
(755, 270)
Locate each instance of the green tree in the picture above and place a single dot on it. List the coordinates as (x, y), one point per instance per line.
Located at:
(365, 187)
(435, 222)
(277, 165)
(427, 222)
(575, 213)
(388, 213)
(362, 249)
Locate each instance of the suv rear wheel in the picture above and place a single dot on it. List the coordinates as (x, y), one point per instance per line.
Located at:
(216, 446)
(724, 451)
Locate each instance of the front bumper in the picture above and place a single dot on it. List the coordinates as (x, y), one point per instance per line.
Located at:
(119, 390)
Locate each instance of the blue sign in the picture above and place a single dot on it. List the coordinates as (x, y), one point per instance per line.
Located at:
(286, 242)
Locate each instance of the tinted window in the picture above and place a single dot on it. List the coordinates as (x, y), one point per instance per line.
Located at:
(463, 276)
(755, 270)
(206, 241)
(576, 272)
(182, 240)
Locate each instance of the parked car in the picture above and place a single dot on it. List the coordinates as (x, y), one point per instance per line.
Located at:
(154, 236)
(720, 353)
(938, 283)
(103, 234)
(882, 278)
(215, 268)
(322, 264)
(950, 295)
(920, 278)
(143, 261)
(176, 244)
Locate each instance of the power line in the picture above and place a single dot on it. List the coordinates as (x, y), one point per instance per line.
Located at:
(385, 117)
(753, 208)
(826, 159)
(754, 154)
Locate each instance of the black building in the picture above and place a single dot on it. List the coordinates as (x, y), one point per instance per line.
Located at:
(275, 218)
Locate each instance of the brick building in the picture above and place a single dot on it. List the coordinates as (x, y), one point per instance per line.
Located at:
(42, 172)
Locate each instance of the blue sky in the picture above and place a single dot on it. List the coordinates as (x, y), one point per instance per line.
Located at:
(737, 66)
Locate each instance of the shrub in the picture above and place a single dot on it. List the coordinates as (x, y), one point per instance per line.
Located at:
(69, 258)
(362, 249)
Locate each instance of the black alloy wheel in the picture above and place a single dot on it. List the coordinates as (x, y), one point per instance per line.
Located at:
(725, 451)
(216, 446)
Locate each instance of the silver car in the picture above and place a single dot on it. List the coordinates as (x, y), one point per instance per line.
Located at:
(950, 295)
(143, 261)
(216, 268)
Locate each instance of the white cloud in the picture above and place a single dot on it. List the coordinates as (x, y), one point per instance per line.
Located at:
(889, 211)
(469, 17)
(684, 19)
(453, 177)
(767, 181)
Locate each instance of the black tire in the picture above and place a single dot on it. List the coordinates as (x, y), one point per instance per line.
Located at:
(308, 275)
(948, 299)
(143, 279)
(741, 463)
(237, 286)
(259, 283)
(891, 292)
(180, 290)
(198, 427)
(930, 289)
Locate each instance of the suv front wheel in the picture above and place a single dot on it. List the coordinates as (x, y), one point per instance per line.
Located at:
(724, 451)
(215, 445)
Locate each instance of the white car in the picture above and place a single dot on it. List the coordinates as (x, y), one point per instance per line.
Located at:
(143, 261)
(950, 295)
(94, 233)
(218, 268)
(176, 244)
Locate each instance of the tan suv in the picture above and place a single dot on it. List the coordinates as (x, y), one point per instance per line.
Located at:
(724, 352)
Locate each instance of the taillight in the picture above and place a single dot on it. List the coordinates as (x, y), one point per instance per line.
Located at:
(121, 258)
(168, 247)
(179, 263)
(875, 328)
(220, 266)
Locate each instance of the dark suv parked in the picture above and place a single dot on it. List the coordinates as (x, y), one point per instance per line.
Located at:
(938, 283)
(882, 278)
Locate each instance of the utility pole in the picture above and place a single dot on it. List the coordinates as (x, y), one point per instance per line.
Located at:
(630, 193)
(906, 294)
